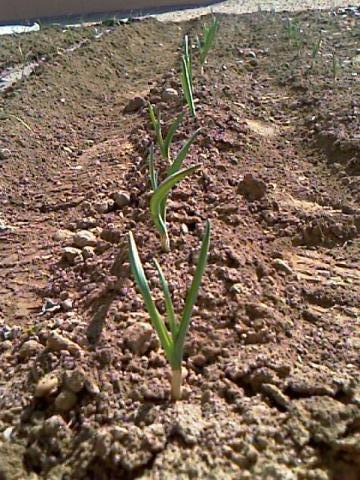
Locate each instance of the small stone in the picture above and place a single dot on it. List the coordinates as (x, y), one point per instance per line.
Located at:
(170, 95)
(67, 305)
(65, 401)
(56, 343)
(29, 349)
(139, 338)
(111, 235)
(63, 236)
(101, 206)
(134, 105)
(75, 380)
(84, 238)
(5, 153)
(88, 252)
(259, 310)
(5, 345)
(53, 425)
(121, 199)
(282, 266)
(46, 386)
(251, 187)
(72, 255)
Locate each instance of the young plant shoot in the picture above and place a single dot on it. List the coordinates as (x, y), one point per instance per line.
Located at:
(206, 42)
(163, 143)
(159, 199)
(187, 78)
(158, 210)
(172, 332)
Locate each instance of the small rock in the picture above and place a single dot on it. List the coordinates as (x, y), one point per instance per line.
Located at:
(67, 305)
(259, 310)
(63, 236)
(139, 338)
(75, 380)
(5, 345)
(282, 266)
(121, 199)
(7, 433)
(170, 95)
(72, 255)
(46, 386)
(53, 425)
(84, 238)
(5, 153)
(88, 252)
(30, 348)
(65, 401)
(251, 187)
(101, 206)
(134, 105)
(111, 235)
(56, 343)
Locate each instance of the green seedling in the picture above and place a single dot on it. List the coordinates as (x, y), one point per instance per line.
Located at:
(159, 198)
(316, 48)
(187, 77)
(188, 57)
(208, 38)
(315, 52)
(163, 143)
(294, 33)
(171, 334)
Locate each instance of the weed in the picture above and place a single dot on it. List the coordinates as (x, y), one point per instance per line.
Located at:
(172, 337)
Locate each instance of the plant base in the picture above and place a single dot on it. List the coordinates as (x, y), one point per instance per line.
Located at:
(176, 380)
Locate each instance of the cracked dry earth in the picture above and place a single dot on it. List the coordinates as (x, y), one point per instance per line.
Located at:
(272, 356)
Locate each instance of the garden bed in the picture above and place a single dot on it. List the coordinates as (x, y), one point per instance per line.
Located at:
(272, 355)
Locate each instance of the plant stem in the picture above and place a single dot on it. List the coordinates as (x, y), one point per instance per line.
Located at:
(176, 380)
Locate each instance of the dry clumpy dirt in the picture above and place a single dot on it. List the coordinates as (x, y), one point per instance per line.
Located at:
(272, 357)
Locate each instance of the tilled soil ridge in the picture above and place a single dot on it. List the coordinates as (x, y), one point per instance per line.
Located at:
(272, 357)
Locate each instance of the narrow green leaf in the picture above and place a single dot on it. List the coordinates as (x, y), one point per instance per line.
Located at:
(209, 33)
(152, 172)
(168, 302)
(192, 294)
(157, 201)
(155, 120)
(177, 163)
(140, 278)
(186, 84)
(170, 135)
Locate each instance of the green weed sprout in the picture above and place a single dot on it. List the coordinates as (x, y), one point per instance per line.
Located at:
(164, 143)
(187, 77)
(160, 195)
(172, 333)
(206, 42)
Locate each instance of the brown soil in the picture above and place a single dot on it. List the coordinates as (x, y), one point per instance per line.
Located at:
(272, 358)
